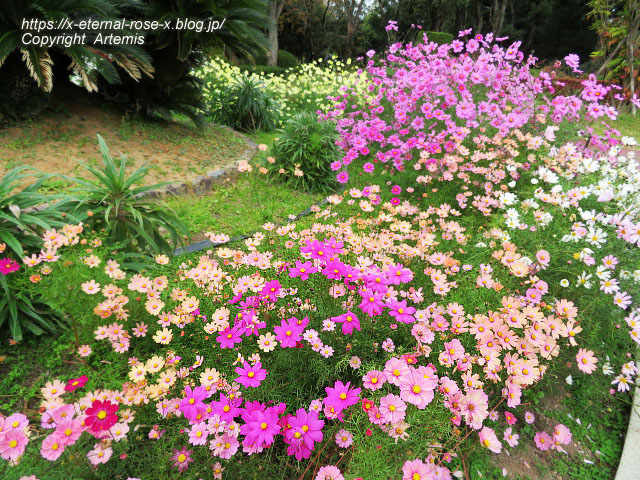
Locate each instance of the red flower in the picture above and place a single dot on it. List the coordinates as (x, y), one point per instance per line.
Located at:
(101, 415)
(76, 383)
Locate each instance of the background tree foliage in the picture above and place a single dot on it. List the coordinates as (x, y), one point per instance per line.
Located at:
(152, 79)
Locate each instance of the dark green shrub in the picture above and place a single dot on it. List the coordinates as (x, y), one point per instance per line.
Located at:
(285, 59)
(112, 201)
(439, 37)
(245, 105)
(303, 153)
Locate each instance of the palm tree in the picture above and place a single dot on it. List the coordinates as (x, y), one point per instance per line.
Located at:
(87, 60)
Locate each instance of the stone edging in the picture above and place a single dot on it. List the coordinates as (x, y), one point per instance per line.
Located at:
(628, 468)
(196, 247)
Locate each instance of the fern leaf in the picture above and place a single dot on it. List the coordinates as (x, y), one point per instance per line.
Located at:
(40, 65)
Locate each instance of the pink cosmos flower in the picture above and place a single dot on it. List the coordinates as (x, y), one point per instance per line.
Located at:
(415, 389)
(13, 444)
(52, 447)
(401, 312)
(510, 418)
(373, 380)
(260, 427)
(394, 369)
(489, 440)
(7, 266)
(181, 459)
(562, 434)
(343, 177)
(416, 470)
(14, 421)
(529, 417)
(344, 438)
(69, 431)
(99, 454)
(543, 441)
(305, 430)
(302, 270)
(510, 437)
(349, 322)
(392, 408)
(251, 376)
(198, 434)
(288, 333)
(372, 303)
(586, 361)
(329, 472)
(229, 337)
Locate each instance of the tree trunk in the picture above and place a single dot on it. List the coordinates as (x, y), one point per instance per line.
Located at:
(480, 17)
(498, 12)
(351, 31)
(275, 9)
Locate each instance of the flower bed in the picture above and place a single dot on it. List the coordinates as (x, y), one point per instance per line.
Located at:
(397, 333)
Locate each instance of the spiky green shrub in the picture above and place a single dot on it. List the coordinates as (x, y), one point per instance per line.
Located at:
(245, 105)
(303, 154)
(115, 202)
(21, 224)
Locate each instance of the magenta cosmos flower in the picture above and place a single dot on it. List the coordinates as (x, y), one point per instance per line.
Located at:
(101, 415)
(289, 333)
(341, 396)
(305, 430)
(251, 376)
(8, 266)
(302, 270)
(229, 337)
(76, 383)
(260, 427)
(181, 459)
(193, 403)
(349, 322)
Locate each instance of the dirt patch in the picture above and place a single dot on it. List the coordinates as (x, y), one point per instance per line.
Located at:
(60, 140)
(527, 460)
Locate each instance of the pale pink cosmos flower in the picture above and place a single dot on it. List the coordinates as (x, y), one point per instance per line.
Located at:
(562, 434)
(99, 454)
(543, 441)
(392, 408)
(344, 438)
(12, 444)
(52, 447)
(329, 472)
(489, 440)
(510, 437)
(416, 469)
(373, 380)
(529, 417)
(586, 361)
